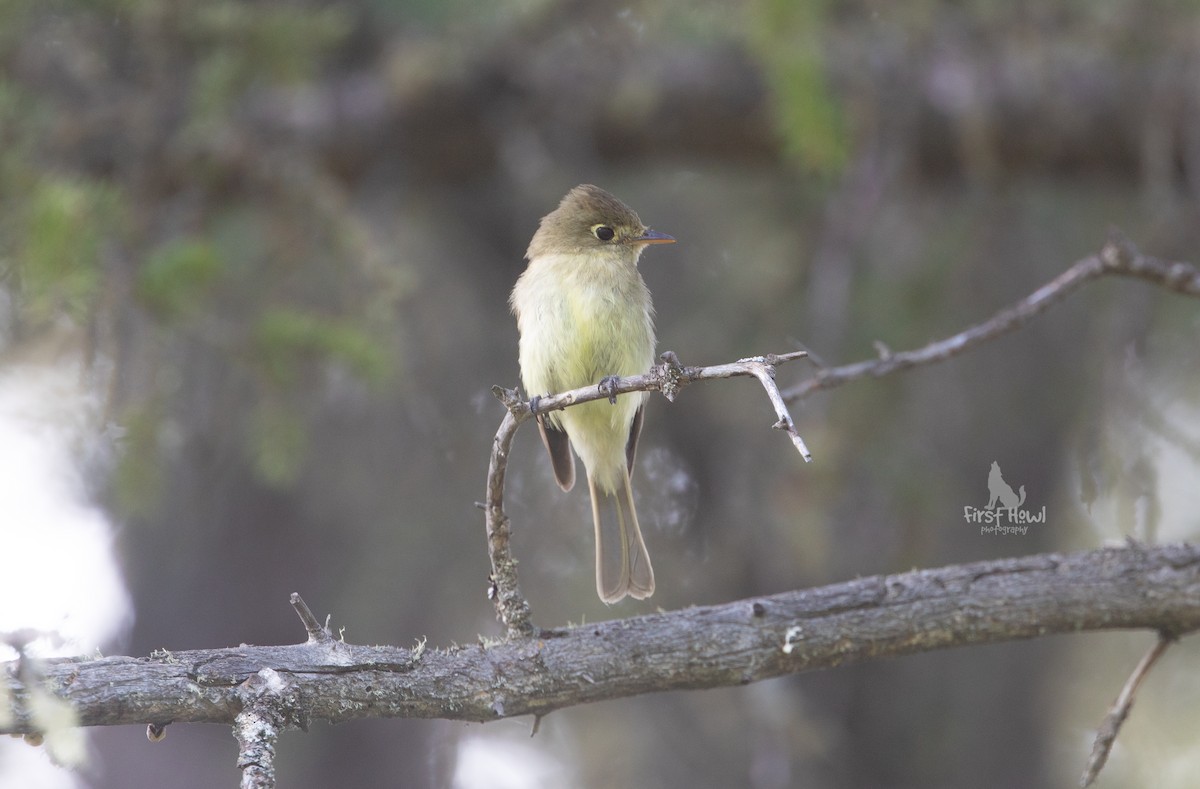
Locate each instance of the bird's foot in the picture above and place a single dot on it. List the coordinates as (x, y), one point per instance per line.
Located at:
(608, 385)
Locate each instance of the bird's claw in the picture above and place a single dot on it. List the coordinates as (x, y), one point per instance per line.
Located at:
(608, 385)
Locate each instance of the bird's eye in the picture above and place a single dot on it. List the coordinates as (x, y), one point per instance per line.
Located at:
(603, 232)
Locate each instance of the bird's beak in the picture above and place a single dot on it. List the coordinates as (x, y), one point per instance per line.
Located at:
(653, 237)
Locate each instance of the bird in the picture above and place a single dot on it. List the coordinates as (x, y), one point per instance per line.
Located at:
(584, 316)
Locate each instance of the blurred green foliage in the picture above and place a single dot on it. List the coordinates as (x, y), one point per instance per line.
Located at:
(788, 38)
(286, 337)
(266, 288)
(22, 123)
(58, 262)
(239, 44)
(282, 43)
(177, 277)
(279, 441)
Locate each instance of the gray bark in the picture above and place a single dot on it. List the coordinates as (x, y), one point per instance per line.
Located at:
(1132, 587)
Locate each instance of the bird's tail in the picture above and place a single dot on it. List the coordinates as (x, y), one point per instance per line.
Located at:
(622, 563)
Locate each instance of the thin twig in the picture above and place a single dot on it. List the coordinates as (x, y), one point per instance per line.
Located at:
(1106, 733)
(1118, 257)
(668, 378)
(764, 370)
(317, 632)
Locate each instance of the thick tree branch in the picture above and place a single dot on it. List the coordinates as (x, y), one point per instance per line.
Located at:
(1118, 257)
(1156, 588)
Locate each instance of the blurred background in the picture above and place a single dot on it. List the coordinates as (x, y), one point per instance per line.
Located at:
(254, 264)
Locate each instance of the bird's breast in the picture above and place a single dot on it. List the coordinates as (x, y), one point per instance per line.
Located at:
(580, 319)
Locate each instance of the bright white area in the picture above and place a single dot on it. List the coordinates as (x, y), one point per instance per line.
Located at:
(1176, 494)
(1177, 475)
(58, 574)
(506, 760)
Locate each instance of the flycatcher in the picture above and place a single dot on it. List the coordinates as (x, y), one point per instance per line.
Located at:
(584, 314)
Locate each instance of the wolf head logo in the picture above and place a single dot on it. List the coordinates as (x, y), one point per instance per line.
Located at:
(1000, 492)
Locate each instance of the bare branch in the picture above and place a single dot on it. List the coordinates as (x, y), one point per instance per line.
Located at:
(256, 737)
(268, 707)
(1156, 588)
(316, 631)
(511, 608)
(764, 371)
(1107, 732)
(668, 378)
(1118, 257)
